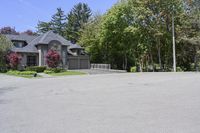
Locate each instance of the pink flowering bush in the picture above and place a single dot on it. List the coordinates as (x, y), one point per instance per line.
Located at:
(52, 58)
(13, 60)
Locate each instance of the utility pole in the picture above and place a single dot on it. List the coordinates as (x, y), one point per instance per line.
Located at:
(174, 47)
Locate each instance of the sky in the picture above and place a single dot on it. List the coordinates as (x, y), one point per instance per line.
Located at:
(25, 14)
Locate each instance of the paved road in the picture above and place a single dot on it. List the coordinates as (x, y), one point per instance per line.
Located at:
(111, 103)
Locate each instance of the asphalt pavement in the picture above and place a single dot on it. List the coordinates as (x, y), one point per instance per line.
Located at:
(106, 103)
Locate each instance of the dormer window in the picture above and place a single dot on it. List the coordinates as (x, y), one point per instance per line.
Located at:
(19, 44)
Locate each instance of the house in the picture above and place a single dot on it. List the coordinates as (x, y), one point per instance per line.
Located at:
(33, 50)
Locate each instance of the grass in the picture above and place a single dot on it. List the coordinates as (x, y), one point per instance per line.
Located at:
(67, 73)
(24, 74)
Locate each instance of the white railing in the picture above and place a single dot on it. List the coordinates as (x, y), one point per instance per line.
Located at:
(101, 66)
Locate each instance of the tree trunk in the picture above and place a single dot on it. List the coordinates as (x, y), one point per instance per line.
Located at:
(196, 59)
(159, 54)
(125, 67)
(152, 62)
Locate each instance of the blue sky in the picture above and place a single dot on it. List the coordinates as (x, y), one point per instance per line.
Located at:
(25, 14)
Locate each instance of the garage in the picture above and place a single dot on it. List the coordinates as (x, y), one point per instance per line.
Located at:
(78, 62)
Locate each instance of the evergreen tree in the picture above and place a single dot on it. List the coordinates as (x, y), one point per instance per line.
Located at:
(43, 27)
(58, 22)
(77, 17)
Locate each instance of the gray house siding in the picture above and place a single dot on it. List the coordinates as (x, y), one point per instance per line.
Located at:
(64, 56)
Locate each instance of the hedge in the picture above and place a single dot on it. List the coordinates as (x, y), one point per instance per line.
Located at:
(56, 70)
(133, 69)
(15, 72)
(38, 69)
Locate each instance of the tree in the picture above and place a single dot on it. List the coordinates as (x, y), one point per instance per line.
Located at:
(136, 33)
(29, 32)
(89, 39)
(13, 60)
(5, 46)
(117, 36)
(43, 27)
(76, 19)
(8, 30)
(58, 22)
(53, 58)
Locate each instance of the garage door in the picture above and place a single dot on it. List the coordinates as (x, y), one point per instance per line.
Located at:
(84, 64)
(78, 62)
(73, 64)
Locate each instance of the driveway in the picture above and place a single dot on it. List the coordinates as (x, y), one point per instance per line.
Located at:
(111, 103)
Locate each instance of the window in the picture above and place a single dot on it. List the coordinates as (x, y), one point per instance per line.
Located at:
(31, 61)
(19, 44)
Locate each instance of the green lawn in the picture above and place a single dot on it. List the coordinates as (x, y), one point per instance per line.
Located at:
(23, 76)
(67, 73)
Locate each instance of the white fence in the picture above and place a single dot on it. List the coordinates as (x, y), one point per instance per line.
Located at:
(101, 66)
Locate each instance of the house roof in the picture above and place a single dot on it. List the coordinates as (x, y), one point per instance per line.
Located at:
(48, 37)
(21, 37)
(75, 46)
(43, 39)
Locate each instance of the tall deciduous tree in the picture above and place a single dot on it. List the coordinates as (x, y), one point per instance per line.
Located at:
(5, 46)
(8, 30)
(89, 39)
(29, 32)
(77, 17)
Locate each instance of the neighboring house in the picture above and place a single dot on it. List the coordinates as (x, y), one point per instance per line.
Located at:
(33, 50)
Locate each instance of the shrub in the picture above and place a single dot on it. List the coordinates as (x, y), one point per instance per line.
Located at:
(48, 71)
(133, 69)
(13, 60)
(15, 72)
(28, 72)
(56, 70)
(38, 69)
(179, 69)
(53, 58)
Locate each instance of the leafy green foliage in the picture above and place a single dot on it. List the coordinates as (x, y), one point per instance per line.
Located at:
(139, 33)
(38, 69)
(48, 71)
(179, 69)
(133, 69)
(90, 40)
(54, 70)
(21, 73)
(5, 46)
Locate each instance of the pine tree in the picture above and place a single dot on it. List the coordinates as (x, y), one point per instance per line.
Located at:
(77, 17)
(43, 27)
(59, 22)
